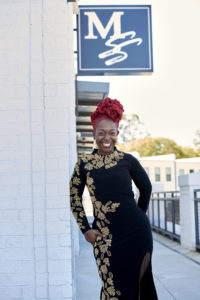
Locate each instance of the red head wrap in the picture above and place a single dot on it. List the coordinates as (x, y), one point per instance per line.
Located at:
(107, 109)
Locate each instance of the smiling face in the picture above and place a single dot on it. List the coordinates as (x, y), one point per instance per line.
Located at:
(105, 135)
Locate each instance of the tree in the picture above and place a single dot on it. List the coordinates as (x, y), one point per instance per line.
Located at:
(189, 152)
(158, 146)
(131, 128)
(196, 140)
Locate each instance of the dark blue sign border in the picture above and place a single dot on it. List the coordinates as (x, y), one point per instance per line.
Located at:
(115, 71)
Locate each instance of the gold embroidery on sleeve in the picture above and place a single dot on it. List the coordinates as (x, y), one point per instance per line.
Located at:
(75, 200)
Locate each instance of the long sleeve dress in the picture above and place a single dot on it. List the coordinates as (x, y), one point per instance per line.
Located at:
(120, 255)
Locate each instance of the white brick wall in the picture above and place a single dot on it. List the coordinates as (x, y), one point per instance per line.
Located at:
(37, 150)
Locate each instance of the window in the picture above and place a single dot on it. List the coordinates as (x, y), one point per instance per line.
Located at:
(157, 174)
(147, 170)
(191, 170)
(181, 172)
(168, 174)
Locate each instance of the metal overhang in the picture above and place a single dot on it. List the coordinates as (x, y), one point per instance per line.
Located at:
(88, 95)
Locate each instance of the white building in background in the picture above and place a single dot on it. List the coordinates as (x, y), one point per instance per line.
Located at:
(163, 170)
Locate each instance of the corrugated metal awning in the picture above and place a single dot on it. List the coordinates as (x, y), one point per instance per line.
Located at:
(88, 94)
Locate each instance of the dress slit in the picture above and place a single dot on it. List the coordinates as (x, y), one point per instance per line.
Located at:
(146, 282)
(144, 266)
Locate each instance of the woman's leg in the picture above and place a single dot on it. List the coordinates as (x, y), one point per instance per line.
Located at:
(146, 283)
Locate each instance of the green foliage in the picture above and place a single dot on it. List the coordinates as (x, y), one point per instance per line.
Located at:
(189, 152)
(158, 146)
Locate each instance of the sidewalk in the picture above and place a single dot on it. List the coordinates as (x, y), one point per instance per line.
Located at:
(176, 271)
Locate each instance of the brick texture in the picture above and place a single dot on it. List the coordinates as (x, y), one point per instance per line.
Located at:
(37, 97)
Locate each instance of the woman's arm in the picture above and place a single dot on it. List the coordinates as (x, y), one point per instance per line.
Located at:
(77, 184)
(142, 182)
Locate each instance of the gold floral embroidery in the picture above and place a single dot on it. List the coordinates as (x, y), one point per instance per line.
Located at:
(103, 297)
(90, 181)
(105, 230)
(101, 247)
(75, 199)
(76, 169)
(89, 166)
(76, 180)
(96, 161)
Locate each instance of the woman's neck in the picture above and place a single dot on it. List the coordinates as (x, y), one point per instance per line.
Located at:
(100, 152)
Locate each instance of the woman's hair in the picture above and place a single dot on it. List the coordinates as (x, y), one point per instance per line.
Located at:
(107, 109)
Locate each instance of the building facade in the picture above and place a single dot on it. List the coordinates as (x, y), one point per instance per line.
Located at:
(37, 148)
(163, 170)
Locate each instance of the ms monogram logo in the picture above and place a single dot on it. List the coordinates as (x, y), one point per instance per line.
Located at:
(113, 41)
(113, 38)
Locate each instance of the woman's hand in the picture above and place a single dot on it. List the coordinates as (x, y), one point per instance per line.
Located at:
(91, 235)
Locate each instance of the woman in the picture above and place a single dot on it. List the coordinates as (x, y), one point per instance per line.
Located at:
(121, 233)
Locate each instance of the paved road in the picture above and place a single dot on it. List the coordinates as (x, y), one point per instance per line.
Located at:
(175, 275)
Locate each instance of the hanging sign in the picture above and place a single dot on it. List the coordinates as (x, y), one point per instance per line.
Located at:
(114, 40)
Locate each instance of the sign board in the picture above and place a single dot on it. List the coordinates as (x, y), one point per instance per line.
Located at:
(114, 40)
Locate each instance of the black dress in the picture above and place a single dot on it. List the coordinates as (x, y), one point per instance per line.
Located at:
(123, 257)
